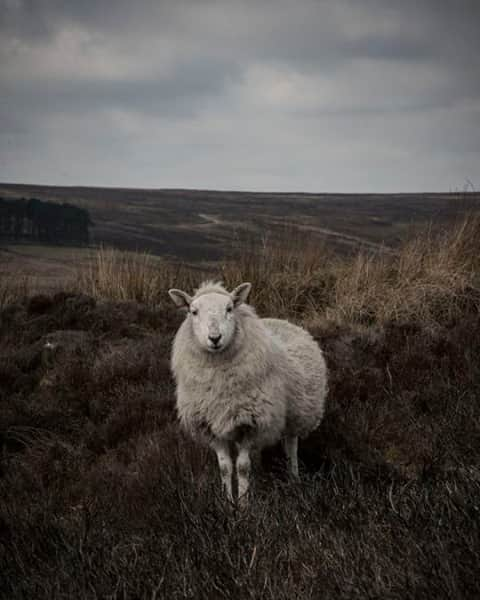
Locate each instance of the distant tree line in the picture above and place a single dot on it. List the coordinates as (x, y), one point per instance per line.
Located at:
(40, 221)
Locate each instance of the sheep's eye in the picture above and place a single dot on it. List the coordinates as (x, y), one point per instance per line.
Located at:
(229, 309)
(194, 312)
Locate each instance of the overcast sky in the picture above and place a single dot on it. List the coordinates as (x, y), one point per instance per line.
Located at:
(271, 95)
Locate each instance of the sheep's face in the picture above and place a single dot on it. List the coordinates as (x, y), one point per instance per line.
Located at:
(213, 321)
(212, 316)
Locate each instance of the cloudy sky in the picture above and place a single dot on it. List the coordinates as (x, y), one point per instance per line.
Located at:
(298, 95)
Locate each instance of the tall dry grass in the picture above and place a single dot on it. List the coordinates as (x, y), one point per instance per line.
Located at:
(430, 277)
(13, 288)
(285, 274)
(117, 275)
(290, 275)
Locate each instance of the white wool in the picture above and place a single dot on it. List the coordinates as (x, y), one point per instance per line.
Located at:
(268, 382)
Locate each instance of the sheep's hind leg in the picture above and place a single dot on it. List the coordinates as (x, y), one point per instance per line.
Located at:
(290, 445)
(243, 474)
(225, 464)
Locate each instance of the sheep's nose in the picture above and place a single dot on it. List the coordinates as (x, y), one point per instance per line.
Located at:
(214, 338)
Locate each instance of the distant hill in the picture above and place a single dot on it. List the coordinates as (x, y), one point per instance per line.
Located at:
(204, 224)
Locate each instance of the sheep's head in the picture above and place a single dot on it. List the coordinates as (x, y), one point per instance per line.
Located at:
(212, 311)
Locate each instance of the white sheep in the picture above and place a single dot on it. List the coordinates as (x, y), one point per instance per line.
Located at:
(243, 382)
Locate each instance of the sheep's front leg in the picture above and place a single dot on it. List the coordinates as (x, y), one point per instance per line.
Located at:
(243, 473)
(225, 464)
(290, 445)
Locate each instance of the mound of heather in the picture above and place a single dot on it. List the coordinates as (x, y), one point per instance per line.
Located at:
(102, 496)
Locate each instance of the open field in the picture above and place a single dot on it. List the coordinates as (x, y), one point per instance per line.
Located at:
(204, 225)
(102, 496)
(46, 268)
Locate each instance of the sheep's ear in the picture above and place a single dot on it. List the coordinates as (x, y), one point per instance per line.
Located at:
(181, 299)
(240, 293)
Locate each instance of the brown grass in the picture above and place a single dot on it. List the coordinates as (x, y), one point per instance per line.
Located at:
(289, 276)
(117, 275)
(13, 288)
(430, 278)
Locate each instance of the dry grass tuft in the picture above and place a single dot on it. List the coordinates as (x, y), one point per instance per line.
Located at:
(430, 279)
(116, 275)
(13, 288)
(289, 276)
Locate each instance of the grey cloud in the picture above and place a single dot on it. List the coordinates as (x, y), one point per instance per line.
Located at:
(390, 48)
(179, 94)
(34, 19)
(381, 62)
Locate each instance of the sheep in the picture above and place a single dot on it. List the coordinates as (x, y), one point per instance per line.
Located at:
(242, 382)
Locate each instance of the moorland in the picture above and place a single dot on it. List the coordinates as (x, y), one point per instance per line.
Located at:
(103, 496)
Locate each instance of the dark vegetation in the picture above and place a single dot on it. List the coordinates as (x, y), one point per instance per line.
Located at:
(33, 220)
(102, 496)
